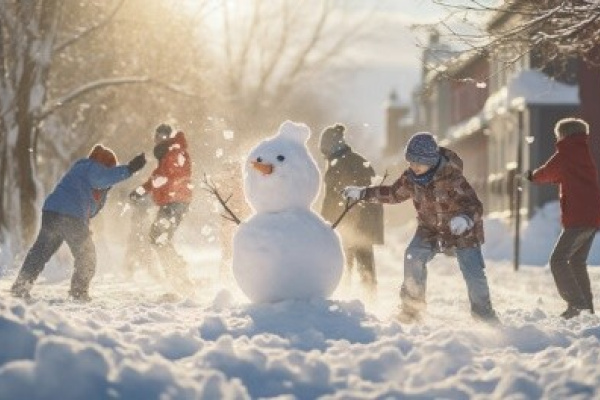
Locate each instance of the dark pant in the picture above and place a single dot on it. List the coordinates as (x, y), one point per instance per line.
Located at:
(162, 230)
(365, 263)
(56, 229)
(568, 263)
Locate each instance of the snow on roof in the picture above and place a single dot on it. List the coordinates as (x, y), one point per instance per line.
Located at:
(535, 88)
(528, 87)
(466, 128)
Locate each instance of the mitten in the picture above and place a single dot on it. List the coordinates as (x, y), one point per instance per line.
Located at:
(460, 224)
(136, 163)
(354, 193)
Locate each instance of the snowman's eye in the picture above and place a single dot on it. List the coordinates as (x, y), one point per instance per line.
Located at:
(259, 159)
(280, 158)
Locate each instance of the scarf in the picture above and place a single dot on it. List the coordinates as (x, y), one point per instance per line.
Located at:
(425, 178)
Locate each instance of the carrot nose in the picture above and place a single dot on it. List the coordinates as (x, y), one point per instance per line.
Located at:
(263, 168)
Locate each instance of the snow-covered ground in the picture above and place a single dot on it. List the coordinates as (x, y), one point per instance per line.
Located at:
(128, 344)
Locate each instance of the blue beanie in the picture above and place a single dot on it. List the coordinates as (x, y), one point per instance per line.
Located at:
(423, 149)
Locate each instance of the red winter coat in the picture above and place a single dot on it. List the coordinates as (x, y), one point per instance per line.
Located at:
(171, 182)
(572, 168)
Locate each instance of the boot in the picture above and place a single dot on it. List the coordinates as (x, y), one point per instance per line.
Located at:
(80, 295)
(570, 312)
(489, 317)
(408, 315)
(21, 289)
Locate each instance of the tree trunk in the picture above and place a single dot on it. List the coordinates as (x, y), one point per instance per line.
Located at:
(589, 95)
(25, 168)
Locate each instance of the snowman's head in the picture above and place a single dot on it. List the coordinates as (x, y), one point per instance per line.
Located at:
(280, 173)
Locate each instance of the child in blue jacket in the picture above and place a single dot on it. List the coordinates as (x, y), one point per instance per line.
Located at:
(78, 196)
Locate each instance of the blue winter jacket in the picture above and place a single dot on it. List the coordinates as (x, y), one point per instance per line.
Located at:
(74, 193)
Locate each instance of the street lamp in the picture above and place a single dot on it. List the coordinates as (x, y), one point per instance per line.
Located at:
(518, 105)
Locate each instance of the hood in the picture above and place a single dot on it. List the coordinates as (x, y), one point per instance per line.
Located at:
(179, 139)
(103, 155)
(176, 142)
(452, 159)
(574, 140)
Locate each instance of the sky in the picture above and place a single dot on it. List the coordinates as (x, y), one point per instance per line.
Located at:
(389, 60)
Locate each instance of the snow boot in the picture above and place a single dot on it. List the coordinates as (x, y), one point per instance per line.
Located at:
(408, 316)
(490, 318)
(570, 312)
(21, 289)
(80, 295)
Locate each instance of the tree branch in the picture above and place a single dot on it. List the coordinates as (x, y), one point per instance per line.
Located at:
(212, 188)
(102, 83)
(349, 204)
(62, 46)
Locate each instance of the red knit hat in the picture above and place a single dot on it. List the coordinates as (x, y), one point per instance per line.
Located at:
(103, 155)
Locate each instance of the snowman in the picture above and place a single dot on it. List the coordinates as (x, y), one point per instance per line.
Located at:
(285, 250)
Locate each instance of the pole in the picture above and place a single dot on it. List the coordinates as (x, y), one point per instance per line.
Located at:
(519, 189)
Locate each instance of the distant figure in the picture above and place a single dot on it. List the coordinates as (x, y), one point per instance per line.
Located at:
(170, 188)
(362, 227)
(572, 168)
(78, 196)
(139, 252)
(449, 216)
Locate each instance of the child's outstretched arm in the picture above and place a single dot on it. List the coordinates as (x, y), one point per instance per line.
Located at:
(550, 172)
(398, 192)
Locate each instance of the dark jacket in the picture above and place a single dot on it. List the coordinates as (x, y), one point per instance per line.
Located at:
(363, 224)
(572, 168)
(446, 196)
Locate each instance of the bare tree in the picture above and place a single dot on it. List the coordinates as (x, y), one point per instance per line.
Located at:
(48, 64)
(28, 37)
(272, 50)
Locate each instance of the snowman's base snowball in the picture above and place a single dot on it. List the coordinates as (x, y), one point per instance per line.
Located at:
(287, 255)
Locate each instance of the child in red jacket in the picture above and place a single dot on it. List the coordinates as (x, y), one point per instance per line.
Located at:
(170, 188)
(572, 168)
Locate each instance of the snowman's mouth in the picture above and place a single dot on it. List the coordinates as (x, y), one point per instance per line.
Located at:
(263, 168)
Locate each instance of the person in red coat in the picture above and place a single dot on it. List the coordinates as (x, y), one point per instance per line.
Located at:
(573, 169)
(170, 188)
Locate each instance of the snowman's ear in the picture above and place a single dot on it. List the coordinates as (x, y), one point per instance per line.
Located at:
(295, 131)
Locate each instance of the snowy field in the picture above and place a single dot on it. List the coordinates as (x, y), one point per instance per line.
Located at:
(129, 344)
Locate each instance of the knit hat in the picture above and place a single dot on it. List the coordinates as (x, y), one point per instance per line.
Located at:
(162, 132)
(103, 155)
(570, 126)
(423, 149)
(332, 139)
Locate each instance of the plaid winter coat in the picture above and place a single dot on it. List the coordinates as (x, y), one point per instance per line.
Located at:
(446, 196)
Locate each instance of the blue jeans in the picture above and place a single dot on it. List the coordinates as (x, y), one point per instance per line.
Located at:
(419, 252)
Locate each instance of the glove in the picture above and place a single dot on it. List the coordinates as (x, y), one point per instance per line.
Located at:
(353, 193)
(460, 224)
(136, 163)
(137, 195)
